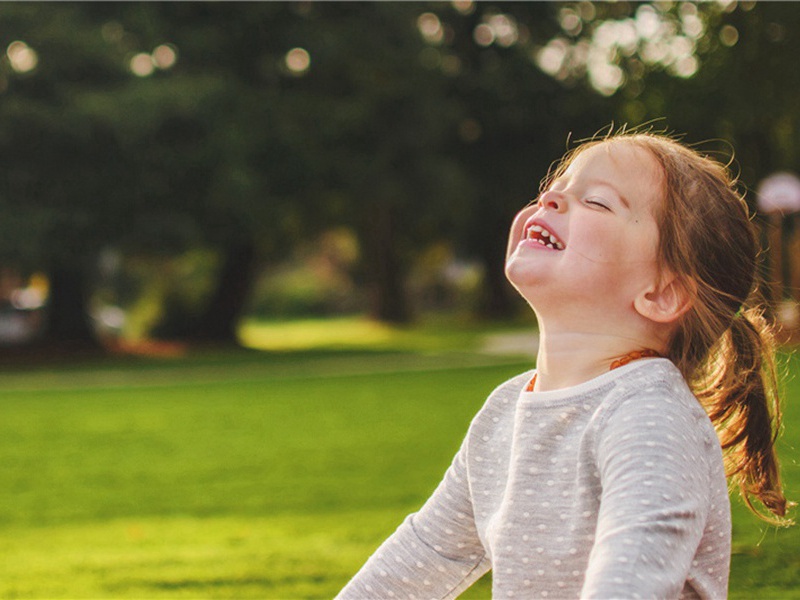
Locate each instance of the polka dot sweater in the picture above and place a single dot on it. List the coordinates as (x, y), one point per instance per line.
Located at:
(614, 488)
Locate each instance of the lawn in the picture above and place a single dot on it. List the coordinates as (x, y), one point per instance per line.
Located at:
(261, 475)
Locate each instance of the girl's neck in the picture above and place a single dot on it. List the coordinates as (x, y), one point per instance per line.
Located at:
(568, 359)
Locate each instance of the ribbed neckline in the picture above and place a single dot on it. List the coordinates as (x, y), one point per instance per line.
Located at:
(591, 385)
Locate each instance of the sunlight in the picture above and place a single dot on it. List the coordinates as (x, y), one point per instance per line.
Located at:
(316, 333)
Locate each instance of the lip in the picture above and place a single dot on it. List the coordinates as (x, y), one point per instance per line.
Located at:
(533, 221)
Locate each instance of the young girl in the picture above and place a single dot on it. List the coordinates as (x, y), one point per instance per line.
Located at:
(601, 473)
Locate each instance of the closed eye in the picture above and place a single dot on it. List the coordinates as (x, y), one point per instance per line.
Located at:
(599, 202)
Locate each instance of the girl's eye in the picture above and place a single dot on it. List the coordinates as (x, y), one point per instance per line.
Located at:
(599, 202)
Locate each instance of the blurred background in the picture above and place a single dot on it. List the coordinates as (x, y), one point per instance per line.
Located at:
(173, 170)
(263, 243)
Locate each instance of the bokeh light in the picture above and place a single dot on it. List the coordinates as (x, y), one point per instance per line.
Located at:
(164, 56)
(430, 27)
(498, 28)
(505, 30)
(551, 58)
(22, 57)
(729, 35)
(483, 35)
(142, 65)
(465, 7)
(298, 61)
(470, 130)
(613, 52)
(570, 21)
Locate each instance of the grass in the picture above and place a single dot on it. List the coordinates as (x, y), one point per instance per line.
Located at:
(249, 475)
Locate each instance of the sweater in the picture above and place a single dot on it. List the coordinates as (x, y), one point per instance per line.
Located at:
(614, 488)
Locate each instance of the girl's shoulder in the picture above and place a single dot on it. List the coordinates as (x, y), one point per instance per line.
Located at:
(507, 393)
(657, 383)
(653, 399)
(502, 400)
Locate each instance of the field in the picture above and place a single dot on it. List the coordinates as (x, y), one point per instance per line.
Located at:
(258, 475)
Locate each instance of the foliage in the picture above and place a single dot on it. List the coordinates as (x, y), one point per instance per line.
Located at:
(165, 126)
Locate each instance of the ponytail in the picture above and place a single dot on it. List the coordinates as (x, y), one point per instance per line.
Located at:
(738, 386)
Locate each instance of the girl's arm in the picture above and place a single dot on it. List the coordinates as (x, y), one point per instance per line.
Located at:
(661, 471)
(435, 553)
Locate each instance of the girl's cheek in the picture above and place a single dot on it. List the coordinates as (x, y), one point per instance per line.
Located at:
(515, 235)
(604, 246)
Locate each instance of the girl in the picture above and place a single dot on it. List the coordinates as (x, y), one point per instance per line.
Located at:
(600, 474)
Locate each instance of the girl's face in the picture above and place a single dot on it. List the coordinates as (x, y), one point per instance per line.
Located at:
(590, 241)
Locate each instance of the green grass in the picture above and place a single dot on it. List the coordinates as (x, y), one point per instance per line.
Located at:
(254, 475)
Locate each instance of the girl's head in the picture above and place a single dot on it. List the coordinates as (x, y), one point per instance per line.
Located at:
(591, 238)
(708, 247)
(706, 241)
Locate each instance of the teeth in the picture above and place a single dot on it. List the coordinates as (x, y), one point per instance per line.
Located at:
(544, 237)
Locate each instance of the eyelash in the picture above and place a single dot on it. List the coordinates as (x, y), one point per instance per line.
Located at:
(589, 200)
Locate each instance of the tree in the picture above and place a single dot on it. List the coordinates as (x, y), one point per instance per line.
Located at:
(101, 147)
(250, 127)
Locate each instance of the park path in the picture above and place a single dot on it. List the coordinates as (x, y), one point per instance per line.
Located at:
(524, 343)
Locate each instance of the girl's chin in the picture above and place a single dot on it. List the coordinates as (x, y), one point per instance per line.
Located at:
(524, 276)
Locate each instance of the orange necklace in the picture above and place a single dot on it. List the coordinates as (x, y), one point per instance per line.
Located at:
(620, 362)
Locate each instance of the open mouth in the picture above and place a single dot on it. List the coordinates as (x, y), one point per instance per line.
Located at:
(546, 238)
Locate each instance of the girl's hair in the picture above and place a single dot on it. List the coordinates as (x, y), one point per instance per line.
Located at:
(723, 345)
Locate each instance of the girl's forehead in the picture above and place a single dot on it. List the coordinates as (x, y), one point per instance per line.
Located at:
(617, 154)
(630, 168)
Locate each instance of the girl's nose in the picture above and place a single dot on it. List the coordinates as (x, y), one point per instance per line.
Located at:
(554, 201)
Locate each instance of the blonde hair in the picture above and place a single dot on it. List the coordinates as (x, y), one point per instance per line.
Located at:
(723, 345)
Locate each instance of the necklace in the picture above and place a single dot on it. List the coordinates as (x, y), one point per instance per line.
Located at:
(620, 362)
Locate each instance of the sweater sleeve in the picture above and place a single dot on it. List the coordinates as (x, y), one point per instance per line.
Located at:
(652, 457)
(435, 553)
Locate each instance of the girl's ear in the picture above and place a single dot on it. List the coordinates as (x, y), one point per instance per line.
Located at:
(666, 302)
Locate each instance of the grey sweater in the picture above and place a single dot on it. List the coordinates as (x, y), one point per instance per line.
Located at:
(614, 488)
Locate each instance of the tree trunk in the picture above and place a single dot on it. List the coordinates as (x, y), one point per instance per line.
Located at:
(385, 268)
(219, 321)
(68, 321)
(496, 300)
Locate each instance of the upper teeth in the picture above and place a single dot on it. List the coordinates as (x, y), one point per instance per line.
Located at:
(554, 243)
